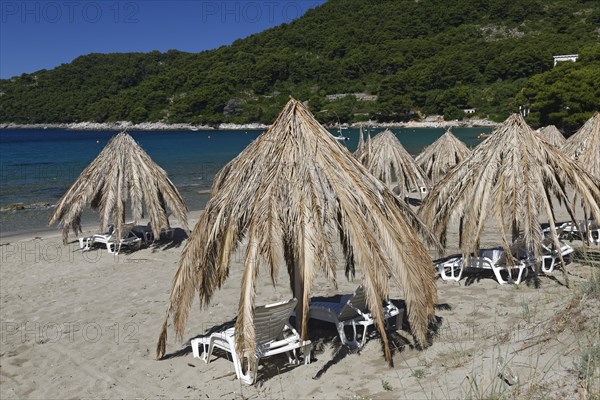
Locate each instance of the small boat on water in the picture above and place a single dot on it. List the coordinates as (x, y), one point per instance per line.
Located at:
(482, 136)
(341, 137)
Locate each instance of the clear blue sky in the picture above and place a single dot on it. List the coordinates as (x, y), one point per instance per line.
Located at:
(43, 34)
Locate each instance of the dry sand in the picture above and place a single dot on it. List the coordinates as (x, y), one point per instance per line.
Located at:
(79, 325)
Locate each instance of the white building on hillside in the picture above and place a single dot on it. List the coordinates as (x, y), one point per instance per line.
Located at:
(566, 57)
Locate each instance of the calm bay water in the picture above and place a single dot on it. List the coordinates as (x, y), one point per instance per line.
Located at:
(38, 166)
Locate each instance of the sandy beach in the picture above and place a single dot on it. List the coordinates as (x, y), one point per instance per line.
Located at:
(86, 324)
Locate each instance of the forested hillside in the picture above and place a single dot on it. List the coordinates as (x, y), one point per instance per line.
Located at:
(414, 56)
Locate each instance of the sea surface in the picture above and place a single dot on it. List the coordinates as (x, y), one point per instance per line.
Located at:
(38, 166)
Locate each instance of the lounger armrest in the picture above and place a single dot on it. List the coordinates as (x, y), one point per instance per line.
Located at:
(288, 328)
(390, 310)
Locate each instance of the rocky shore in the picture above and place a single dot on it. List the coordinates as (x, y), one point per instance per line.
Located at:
(127, 125)
(430, 122)
(21, 206)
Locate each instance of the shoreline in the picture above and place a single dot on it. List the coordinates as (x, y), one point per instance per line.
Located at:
(87, 227)
(430, 122)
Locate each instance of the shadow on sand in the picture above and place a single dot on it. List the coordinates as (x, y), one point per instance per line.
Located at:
(324, 337)
(179, 236)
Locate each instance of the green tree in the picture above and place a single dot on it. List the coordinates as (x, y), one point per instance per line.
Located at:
(452, 113)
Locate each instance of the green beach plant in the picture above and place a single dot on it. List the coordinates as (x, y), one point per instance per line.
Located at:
(386, 386)
(419, 373)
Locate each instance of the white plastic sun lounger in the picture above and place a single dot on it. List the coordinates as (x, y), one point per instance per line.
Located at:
(495, 259)
(590, 230)
(113, 244)
(86, 242)
(490, 259)
(449, 269)
(351, 310)
(551, 255)
(274, 335)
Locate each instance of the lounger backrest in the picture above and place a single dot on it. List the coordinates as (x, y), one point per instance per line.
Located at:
(269, 320)
(127, 228)
(357, 301)
(519, 248)
(496, 255)
(548, 244)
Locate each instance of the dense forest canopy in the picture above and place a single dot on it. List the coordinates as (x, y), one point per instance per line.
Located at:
(404, 58)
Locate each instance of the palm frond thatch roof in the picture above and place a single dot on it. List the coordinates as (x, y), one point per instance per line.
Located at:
(512, 177)
(552, 135)
(584, 145)
(362, 144)
(122, 172)
(442, 155)
(386, 158)
(294, 195)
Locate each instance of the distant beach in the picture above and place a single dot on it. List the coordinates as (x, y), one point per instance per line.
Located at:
(430, 122)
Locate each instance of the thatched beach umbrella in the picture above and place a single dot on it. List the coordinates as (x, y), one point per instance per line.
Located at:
(584, 145)
(512, 177)
(441, 156)
(121, 172)
(552, 135)
(388, 160)
(293, 194)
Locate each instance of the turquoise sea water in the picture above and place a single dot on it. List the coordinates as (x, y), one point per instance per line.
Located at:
(38, 166)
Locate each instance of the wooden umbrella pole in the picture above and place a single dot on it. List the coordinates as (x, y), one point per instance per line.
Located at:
(299, 295)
